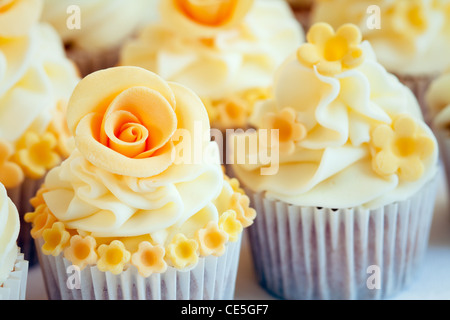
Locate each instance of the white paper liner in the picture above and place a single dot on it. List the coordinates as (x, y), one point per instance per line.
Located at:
(21, 196)
(443, 137)
(15, 287)
(312, 253)
(213, 278)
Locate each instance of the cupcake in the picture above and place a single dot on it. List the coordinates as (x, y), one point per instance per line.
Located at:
(226, 51)
(438, 101)
(13, 266)
(141, 209)
(93, 31)
(346, 202)
(36, 80)
(410, 37)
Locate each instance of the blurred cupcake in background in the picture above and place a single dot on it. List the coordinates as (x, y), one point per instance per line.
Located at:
(438, 101)
(94, 30)
(13, 266)
(36, 80)
(226, 51)
(354, 184)
(135, 207)
(411, 38)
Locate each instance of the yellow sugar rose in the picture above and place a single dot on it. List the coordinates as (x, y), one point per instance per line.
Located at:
(124, 119)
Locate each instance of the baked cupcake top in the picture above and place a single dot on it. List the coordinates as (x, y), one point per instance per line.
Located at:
(9, 231)
(226, 51)
(36, 80)
(438, 100)
(136, 185)
(410, 37)
(103, 24)
(350, 134)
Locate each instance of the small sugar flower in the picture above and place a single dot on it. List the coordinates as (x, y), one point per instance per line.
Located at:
(401, 149)
(232, 112)
(42, 219)
(56, 239)
(331, 53)
(11, 175)
(38, 199)
(113, 257)
(407, 17)
(149, 259)
(182, 252)
(211, 240)
(289, 130)
(37, 154)
(81, 251)
(241, 205)
(229, 223)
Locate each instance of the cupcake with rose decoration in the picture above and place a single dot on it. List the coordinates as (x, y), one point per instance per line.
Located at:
(355, 181)
(226, 51)
(36, 80)
(410, 37)
(142, 206)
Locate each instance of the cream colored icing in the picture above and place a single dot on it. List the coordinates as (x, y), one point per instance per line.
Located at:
(104, 24)
(36, 76)
(9, 231)
(106, 192)
(438, 100)
(217, 61)
(413, 38)
(332, 164)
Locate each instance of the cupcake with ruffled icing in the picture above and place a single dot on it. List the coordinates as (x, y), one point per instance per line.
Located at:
(438, 102)
(142, 206)
(13, 266)
(226, 51)
(94, 30)
(355, 179)
(410, 37)
(36, 80)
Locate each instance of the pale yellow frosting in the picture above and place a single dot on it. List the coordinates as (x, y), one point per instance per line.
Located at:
(413, 37)
(9, 231)
(350, 134)
(438, 100)
(129, 183)
(218, 54)
(103, 23)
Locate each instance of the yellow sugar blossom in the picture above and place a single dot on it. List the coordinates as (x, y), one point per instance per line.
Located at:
(11, 175)
(41, 219)
(232, 112)
(37, 153)
(211, 240)
(241, 205)
(229, 223)
(289, 130)
(407, 17)
(38, 199)
(401, 148)
(81, 251)
(182, 252)
(56, 239)
(113, 257)
(331, 53)
(149, 259)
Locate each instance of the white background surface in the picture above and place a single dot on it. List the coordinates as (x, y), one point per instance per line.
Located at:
(432, 283)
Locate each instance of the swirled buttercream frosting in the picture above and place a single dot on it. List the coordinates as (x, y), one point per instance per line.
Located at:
(350, 134)
(136, 186)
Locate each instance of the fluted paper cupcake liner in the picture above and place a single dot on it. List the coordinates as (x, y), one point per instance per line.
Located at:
(15, 286)
(21, 196)
(322, 253)
(419, 86)
(443, 137)
(213, 278)
(88, 62)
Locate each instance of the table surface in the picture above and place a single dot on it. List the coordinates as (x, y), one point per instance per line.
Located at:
(432, 283)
